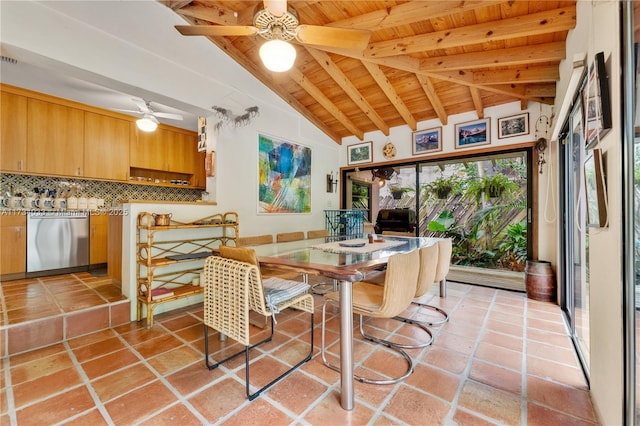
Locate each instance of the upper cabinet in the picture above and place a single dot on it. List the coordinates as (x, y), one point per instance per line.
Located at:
(106, 146)
(164, 150)
(55, 139)
(13, 132)
(44, 135)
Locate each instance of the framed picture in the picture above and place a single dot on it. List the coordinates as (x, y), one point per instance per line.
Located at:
(427, 141)
(596, 102)
(473, 133)
(596, 189)
(515, 125)
(359, 153)
(202, 134)
(284, 176)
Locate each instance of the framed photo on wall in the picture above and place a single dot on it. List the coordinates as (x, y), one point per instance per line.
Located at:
(360, 153)
(426, 141)
(473, 133)
(596, 102)
(596, 189)
(515, 125)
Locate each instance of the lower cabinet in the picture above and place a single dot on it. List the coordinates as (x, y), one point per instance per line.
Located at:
(98, 245)
(13, 245)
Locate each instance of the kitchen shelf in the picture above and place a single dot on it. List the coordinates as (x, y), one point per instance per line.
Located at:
(158, 246)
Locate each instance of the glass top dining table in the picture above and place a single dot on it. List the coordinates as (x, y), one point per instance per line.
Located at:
(345, 264)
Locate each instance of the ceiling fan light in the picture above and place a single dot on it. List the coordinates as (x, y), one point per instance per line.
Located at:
(148, 123)
(277, 55)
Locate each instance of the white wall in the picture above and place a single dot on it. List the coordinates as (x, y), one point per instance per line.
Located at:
(598, 30)
(103, 41)
(401, 136)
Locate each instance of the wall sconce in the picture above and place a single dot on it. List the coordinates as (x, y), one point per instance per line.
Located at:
(331, 183)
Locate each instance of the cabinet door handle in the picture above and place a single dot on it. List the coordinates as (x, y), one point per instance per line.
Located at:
(78, 172)
(19, 165)
(19, 232)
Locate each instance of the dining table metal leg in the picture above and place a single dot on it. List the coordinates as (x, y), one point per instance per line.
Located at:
(346, 346)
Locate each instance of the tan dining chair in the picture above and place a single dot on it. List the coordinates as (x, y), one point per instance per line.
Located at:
(445, 247)
(284, 237)
(431, 259)
(322, 287)
(317, 233)
(386, 301)
(232, 289)
(254, 240)
(399, 233)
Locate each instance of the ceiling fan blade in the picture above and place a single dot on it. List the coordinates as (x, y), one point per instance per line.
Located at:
(216, 30)
(167, 115)
(335, 37)
(276, 7)
(140, 103)
(130, 111)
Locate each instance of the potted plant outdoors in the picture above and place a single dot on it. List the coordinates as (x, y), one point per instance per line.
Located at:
(443, 187)
(497, 186)
(397, 191)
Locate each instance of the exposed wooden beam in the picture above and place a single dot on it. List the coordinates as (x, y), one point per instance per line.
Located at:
(317, 94)
(250, 66)
(525, 55)
(430, 91)
(210, 12)
(343, 81)
(530, 74)
(546, 22)
(477, 101)
(409, 13)
(388, 90)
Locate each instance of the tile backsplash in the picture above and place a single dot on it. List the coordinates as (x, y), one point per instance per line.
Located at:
(112, 192)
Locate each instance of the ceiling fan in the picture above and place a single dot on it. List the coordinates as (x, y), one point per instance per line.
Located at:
(278, 24)
(149, 121)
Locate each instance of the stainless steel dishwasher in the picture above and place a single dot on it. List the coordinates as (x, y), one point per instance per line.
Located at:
(57, 241)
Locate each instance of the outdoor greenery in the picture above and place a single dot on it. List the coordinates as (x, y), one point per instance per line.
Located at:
(483, 212)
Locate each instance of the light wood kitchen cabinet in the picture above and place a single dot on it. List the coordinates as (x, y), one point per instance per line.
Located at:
(164, 150)
(149, 150)
(55, 139)
(106, 147)
(13, 244)
(13, 132)
(199, 178)
(98, 231)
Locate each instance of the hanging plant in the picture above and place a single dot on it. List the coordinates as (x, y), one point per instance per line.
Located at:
(444, 187)
(487, 187)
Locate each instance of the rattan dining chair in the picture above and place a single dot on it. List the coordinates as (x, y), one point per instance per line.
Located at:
(231, 289)
(317, 233)
(386, 301)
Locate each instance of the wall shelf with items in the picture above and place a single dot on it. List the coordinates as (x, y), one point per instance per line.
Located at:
(170, 257)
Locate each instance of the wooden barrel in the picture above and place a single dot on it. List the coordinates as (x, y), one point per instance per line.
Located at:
(540, 281)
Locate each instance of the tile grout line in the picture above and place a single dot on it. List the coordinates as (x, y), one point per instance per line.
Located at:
(465, 374)
(524, 398)
(96, 399)
(11, 405)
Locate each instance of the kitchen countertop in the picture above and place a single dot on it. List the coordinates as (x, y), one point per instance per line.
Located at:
(209, 203)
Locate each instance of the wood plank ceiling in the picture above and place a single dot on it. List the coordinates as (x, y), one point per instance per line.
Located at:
(425, 59)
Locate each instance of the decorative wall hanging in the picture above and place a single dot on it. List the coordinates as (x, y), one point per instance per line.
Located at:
(210, 164)
(229, 118)
(473, 133)
(515, 125)
(596, 102)
(596, 190)
(426, 141)
(389, 151)
(284, 176)
(202, 134)
(359, 153)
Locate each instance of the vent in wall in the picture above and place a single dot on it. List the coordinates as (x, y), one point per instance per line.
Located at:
(8, 60)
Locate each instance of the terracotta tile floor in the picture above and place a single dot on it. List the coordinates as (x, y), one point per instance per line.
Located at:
(502, 359)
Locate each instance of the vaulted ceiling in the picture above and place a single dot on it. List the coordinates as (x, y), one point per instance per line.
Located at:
(424, 60)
